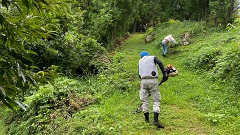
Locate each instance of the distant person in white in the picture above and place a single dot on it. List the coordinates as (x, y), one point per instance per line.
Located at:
(165, 42)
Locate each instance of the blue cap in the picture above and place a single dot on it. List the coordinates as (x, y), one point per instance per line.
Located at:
(144, 53)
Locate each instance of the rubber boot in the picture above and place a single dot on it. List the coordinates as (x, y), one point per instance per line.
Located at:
(156, 122)
(146, 117)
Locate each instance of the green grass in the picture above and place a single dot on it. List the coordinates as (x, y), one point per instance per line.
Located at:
(3, 128)
(177, 114)
(191, 103)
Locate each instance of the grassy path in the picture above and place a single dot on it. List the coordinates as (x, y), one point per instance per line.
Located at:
(179, 111)
(177, 114)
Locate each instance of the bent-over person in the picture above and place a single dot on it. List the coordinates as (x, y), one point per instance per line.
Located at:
(148, 73)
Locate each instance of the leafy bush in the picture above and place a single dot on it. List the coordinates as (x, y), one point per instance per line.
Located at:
(227, 68)
(50, 106)
(205, 60)
(74, 53)
(20, 24)
(220, 59)
(221, 65)
(148, 32)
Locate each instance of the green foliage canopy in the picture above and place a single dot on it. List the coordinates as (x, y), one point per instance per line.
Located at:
(20, 22)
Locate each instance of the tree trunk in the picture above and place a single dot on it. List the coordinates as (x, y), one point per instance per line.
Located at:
(133, 27)
(206, 9)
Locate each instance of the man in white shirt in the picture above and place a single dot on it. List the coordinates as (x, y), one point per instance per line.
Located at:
(165, 42)
(148, 73)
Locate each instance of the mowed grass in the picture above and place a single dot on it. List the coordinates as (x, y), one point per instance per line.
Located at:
(178, 114)
(190, 105)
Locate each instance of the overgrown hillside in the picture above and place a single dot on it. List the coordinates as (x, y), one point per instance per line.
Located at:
(202, 99)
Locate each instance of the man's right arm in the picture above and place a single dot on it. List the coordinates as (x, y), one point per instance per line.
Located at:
(164, 78)
(160, 64)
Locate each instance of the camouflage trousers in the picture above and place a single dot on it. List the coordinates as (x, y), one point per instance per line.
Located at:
(149, 87)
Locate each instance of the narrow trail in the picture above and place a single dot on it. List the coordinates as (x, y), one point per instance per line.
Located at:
(178, 116)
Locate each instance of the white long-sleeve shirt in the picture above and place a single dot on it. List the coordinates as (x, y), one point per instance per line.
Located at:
(170, 38)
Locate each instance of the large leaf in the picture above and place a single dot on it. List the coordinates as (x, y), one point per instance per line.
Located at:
(21, 105)
(6, 103)
(2, 90)
(2, 19)
(20, 73)
(6, 3)
(20, 24)
(31, 52)
(27, 57)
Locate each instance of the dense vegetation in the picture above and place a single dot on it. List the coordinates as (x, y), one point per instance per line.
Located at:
(103, 104)
(39, 38)
(69, 69)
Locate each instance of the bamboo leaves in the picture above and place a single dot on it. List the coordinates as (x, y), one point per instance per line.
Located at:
(21, 22)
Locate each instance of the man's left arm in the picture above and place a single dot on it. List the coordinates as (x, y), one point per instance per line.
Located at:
(138, 73)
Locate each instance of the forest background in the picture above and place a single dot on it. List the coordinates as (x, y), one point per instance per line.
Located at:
(42, 41)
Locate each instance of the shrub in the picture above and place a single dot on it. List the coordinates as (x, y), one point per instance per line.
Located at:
(204, 60)
(148, 32)
(227, 67)
(74, 53)
(49, 107)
